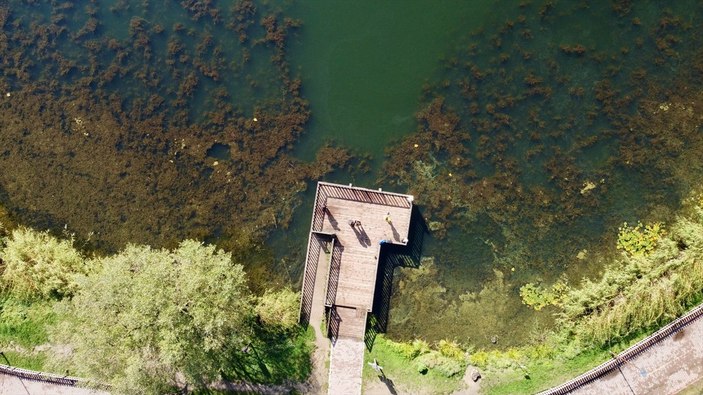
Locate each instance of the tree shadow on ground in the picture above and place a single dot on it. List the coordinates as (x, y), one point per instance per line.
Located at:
(272, 357)
(389, 384)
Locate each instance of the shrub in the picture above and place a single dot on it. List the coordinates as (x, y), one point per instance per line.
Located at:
(479, 359)
(279, 308)
(421, 367)
(411, 350)
(38, 265)
(419, 347)
(450, 350)
(447, 367)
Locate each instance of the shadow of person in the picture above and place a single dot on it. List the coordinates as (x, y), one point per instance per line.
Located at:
(364, 235)
(333, 221)
(361, 236)
(396, 235)
(389, 384)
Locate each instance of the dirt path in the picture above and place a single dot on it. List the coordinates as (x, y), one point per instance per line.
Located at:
(388, 387)
(470, 387)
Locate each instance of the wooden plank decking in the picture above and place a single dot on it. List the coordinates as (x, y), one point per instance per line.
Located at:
(351, 280)
(357, 276)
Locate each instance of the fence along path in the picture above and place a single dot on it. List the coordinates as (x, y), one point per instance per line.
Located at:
(15, 380)
(632, 352)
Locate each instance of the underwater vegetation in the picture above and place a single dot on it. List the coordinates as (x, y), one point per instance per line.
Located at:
(155, 122)
(110, 113)
(545, 133)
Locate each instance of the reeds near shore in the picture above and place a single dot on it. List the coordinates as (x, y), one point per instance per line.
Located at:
(637, 293)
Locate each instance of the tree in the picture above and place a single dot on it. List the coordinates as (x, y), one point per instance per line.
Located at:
(38, 265)
(150, 320)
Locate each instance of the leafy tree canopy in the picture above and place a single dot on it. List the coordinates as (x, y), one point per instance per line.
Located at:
(279, 309)
(153, 319)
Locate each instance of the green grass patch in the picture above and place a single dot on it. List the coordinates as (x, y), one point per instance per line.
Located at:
(25, 323)
(31, 361)
(539, 375)
(23, 326)
(403, 365)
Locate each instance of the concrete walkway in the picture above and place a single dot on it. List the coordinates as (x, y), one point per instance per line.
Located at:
(668, 367)
(346, 365)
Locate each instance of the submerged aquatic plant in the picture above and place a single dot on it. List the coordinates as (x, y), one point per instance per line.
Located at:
(639, 240)
(538, 296)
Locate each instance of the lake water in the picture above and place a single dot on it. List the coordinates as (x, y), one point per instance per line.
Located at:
(564, 74)
(527, 132)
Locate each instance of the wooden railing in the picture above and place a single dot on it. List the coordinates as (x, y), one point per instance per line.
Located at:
(333, 274)
(628, 354)
(318, 212)
(333, 321)
(311, 260)
(363, 195)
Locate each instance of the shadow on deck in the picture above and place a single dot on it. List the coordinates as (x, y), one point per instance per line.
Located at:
(391, 257)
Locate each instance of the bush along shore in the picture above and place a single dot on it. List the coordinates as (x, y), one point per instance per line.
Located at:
(657, 277)
(144, 320)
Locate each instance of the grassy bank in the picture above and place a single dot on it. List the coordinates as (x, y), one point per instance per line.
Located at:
(658, 277)
(653, 275)
(416, 367)
(23, 332)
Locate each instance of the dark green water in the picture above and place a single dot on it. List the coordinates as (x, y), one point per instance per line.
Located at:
(545, 96)
(364, 63)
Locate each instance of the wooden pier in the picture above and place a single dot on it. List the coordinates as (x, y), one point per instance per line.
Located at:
(349, 227)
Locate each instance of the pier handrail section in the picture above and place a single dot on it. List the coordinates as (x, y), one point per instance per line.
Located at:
(312, 258)
(326, 190)
(333, 274)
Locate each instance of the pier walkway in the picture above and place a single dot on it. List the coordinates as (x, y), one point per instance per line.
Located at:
(349, 227)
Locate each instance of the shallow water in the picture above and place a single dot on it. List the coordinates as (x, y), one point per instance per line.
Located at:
(547, 102)
(516, 213)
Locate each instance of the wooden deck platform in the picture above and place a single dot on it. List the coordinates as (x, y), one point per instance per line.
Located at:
(357, 276)
(351, 272)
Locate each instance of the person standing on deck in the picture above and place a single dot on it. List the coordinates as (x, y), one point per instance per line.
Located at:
(388, 218)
